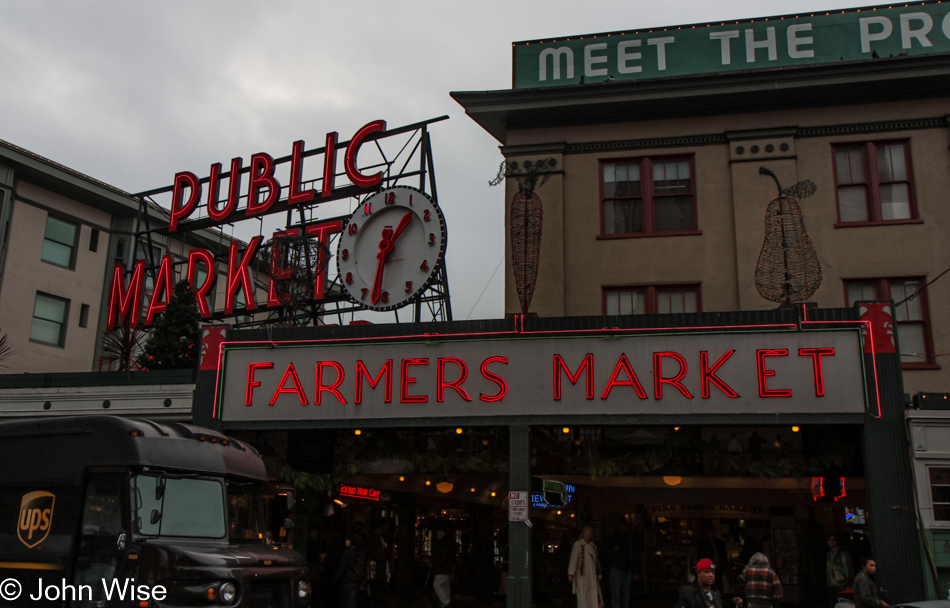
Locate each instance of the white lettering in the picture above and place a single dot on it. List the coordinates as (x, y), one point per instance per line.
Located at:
(724, 38)
(113, 587)
(751, 44)
(794, 41)
(660, 44)
(946, 26)
(623, 57)
(556, 55)
(64, 591)
(867, 37)
(908, 34)
(590, 59)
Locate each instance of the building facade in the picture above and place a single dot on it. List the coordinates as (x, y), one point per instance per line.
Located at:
(61, 235)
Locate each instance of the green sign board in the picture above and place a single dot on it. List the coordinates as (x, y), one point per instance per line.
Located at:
(770, 42)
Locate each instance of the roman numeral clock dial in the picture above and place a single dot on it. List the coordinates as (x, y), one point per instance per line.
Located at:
(391, 248)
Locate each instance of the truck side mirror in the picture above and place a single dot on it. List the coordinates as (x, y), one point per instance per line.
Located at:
(159, 489)
(290, 500)
(288, 523)
(156, 516)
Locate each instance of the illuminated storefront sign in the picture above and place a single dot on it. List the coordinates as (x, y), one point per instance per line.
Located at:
(263, 196)
(787, 372)
(349, 491)
(769, 42)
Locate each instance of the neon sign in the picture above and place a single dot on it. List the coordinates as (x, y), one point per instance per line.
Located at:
(359, 492)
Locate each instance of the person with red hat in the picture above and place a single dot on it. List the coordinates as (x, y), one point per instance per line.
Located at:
(703, 593)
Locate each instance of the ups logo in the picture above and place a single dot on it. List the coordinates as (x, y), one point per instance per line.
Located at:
(36, 518)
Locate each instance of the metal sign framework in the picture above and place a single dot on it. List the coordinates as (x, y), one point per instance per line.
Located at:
(410, 164)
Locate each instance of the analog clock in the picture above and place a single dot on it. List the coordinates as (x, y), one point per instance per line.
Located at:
(391, 248)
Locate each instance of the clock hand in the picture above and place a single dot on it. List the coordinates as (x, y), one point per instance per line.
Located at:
(403, 224)
(385, 246)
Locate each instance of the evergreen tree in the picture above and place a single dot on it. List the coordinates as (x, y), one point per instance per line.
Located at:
(175, 335)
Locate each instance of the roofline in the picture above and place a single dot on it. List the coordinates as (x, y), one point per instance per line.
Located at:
(851, 83)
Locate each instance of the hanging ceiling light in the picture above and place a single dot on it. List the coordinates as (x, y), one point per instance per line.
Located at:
(444, 486)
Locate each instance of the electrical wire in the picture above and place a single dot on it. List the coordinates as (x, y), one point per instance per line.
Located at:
(485, 288)
(921, 290)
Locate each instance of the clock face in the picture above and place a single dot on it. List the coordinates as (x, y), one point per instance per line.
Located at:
(391, 247)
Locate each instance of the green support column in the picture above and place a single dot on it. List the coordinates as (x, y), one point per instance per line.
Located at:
(519, 534)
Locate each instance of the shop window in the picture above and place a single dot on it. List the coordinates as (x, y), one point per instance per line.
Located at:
(940, 492)
(648, 196)
(911, 315)
(59, 242)
(651, 299)
(874, 183)
(49, 320)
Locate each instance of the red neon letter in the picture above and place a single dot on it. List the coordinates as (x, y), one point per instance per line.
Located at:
(816, 354)
(262, 175)
(322, 232)
(502, 385)
(233, 190)
(298, 196)
(441, 384)
(290, 373)
(179, 210)
(349, 160)
(624, 364)
(362, 372)
(201, 291)
(332, 388)
(251, 382)
(239, 276)
(587, 365)
(163, 283)
(659, 380)
(329, 164)
(760, 356)
(406, 380)
(708, 374)
(131, 299)
(276, 271)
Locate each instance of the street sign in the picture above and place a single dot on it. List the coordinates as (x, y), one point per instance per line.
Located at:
(517, 506)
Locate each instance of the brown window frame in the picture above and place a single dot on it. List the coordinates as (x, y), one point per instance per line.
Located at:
(873, 183)
(651, 292)
(882, 287)
(648, 196)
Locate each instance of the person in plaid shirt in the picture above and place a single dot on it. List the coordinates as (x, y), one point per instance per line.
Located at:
(762, 586)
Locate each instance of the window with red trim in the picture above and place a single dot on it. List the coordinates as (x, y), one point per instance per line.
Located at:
(912, 316)
(648, 196)
(651, 299)
(874, 182)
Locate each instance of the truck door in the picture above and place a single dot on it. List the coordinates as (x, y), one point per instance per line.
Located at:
(104, 535)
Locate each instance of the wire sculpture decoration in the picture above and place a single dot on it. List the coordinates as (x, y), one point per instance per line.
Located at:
(525, 222)
(788, 270)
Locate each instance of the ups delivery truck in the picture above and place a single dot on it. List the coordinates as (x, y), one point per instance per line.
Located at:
(103, 511)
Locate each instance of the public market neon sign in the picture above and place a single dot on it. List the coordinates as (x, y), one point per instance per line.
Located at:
(262, 194)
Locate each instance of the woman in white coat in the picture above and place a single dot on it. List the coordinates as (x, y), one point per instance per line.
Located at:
(584, 570)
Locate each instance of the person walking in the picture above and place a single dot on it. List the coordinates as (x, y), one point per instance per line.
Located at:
(866, 592)
(352, 571)
(839, 570)
(762, 585)
(583, 571)
(443, 563)
(703, 593)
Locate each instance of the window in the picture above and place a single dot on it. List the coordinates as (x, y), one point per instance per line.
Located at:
(874, 183)
(940, 492)
(648, 196)
(59, 244)
(651, 300)
(49, 320)
(912, 316)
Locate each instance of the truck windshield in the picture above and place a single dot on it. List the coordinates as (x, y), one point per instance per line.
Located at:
(245, 520)
(172, 506)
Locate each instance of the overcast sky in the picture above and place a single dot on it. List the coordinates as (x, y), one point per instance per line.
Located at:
(133, 92)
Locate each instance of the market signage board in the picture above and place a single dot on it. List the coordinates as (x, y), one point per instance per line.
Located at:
(769, 42)
(786, 372)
